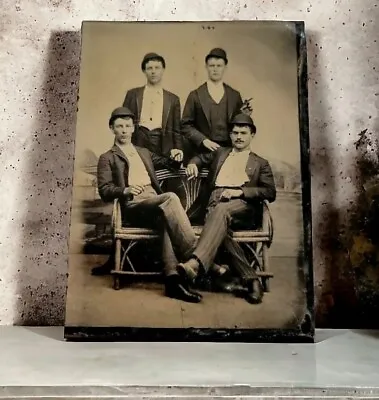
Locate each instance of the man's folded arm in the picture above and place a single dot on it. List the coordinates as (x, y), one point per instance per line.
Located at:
(203, 160)
(188, 122)
(107, 189)
(177, 137)
(161, 162)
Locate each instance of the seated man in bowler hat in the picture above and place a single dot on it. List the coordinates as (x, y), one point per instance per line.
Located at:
(127, 172)
(157, 111)
(237, 184)
(210, 108)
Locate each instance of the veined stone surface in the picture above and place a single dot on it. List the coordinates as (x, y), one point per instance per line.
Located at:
(35, 362)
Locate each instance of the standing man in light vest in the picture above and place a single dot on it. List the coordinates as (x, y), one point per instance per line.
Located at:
(157, 111)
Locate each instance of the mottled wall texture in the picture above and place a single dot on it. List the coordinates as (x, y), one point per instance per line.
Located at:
(39, 69)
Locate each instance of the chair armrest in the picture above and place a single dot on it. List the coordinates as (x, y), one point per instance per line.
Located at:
(267, 222)
(164, 173)
(189, 189)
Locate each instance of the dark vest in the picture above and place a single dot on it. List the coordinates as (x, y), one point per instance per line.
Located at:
(219, 119)
(151, 140)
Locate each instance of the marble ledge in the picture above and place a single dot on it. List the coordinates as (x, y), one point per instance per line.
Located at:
(38, 363)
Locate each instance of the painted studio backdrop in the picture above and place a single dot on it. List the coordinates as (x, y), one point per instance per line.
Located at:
(262, 66)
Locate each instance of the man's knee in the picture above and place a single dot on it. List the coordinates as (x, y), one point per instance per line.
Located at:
(172, 196)
(222, 208)
(219, 211)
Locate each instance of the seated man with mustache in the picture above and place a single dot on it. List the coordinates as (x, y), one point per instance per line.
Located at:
(237, 184)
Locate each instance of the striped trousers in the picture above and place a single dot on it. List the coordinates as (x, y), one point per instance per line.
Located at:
(165, 212)
(215, 232)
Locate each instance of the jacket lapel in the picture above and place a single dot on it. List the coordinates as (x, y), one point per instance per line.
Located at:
(252, 164)
(139, 99)
(229, 101)
(119, 152)
(202, 92)
(166, 109)
(220, 161)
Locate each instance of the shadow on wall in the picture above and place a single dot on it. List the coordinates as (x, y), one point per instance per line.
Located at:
(355, 273)
(362, 239)
(324, 212)
(43, 266)
(350, 296)
(346, 257)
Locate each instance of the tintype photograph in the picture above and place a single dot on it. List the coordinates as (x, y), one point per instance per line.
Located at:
(191, 213)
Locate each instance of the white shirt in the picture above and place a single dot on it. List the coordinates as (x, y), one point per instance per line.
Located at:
(152, 107)
(233, 171)
(216, 90)
(138, 174)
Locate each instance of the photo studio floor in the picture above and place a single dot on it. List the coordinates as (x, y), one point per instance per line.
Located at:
(93, 302)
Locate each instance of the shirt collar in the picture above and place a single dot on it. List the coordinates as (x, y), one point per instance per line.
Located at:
(126, 148)
(154, 89)
(247, 151)
(219, 84)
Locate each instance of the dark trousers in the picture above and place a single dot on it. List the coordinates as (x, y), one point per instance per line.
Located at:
(165, 212)
(219, 219)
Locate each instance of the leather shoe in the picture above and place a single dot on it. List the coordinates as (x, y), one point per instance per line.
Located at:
(255, 292)
(233, 287)
(175, 289)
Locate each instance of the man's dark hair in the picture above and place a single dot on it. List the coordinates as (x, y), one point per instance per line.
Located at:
(154, 58)
(113, 119)
(253, 128)
(217, 53)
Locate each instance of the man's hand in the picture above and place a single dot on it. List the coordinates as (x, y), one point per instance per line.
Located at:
(228, 194)
(176, 155)
(192, 171)
(135, 190)
(212, 146)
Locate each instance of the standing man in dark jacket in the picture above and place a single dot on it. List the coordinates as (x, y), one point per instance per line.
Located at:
(210, 108)
(157, 111)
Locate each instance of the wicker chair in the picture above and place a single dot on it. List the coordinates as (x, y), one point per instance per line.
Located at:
(256, 242)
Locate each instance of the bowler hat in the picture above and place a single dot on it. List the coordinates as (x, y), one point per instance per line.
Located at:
(152, 56)
(120, 112)
(244, 119)
(217, 53)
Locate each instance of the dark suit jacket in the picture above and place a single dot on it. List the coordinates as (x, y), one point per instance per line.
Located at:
(260, 187)
(172, 138)
(196, 125)
(113, 167)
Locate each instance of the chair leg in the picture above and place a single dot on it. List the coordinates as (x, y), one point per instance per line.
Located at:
(265, 267)
(117, 267)
(117, 258)
(116, 282)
